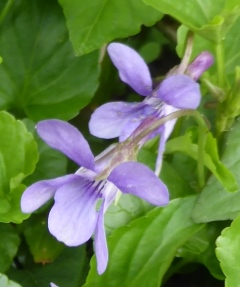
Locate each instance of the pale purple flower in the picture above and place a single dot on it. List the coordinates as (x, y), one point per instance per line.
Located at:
(120, 119)
(53, 285)
(74, 216)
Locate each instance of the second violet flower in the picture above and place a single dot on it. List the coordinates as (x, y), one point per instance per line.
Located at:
(178, 91)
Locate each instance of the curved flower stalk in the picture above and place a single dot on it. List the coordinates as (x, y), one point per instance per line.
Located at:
(75, 215)
(177, 91)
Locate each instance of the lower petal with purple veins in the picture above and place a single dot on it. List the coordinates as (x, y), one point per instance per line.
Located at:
(73, 217)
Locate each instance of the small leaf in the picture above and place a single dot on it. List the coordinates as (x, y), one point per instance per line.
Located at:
(185, 144)
(5, 282)
(67, 270)
(8, 246)
(43, 246)
(141, 252)
(92, 24)
(228, 253)
(214, 203)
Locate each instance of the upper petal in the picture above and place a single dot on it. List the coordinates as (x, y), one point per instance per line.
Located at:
(40, 192)
(180, 91)
(66, 138)
(108, 120)
(137, 179)
(132, 68)
(100, 243)
(73, 217)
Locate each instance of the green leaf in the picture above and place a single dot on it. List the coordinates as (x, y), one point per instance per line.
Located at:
(65, 271)
(5, 282)
(94, 23)
(185, 144)
(10, 210)
(40, 76)
(43, 246)
(128, 208)
(201, 248)
(8, 246)
(210, 19)
(214, 203)
(228, 253)
(18, 144)
(141, 252)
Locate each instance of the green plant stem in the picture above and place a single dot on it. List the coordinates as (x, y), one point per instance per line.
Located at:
(152, 126)
(220, 63)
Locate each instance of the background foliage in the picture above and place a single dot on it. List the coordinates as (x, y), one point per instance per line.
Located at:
(54, 65)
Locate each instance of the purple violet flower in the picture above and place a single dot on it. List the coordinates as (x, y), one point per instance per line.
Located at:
(121, 119)
(74, 216)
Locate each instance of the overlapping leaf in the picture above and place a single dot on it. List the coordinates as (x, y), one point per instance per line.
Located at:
(40, 76)
(94, 23)
(228, 253)
(210, 19)
(214, 202)
(5, 282)
(141, 252)
(18, 157)
(8, 246)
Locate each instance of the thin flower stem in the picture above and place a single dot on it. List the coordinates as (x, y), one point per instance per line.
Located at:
(203, 128)
(220, 63)
(5, 10)
(187, 54)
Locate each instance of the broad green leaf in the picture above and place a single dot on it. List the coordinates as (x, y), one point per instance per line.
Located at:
(18, 157)
(8, 245)
(5, 282)
(214, 203)
(208, 18)
(94, 23)
(228, 253)
(43, 246)
(141, 252)
(40, 76)
(185, 144)
(67, 270)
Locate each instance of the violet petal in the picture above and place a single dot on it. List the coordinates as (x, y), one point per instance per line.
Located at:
(108, 120)
(139, 180)
(73, 217)
(180, 91)
(66, 138)
(40, 192)
(132, 68)
(200, 64)
(100, 243)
